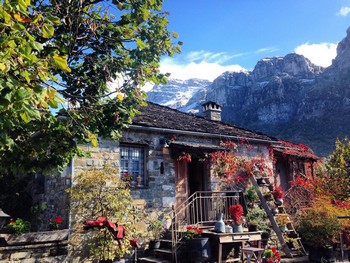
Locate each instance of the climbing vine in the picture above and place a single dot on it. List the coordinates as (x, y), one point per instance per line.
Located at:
(236, 169)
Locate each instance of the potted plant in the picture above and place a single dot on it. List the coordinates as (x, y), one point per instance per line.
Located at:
(271, 256)
(253, 225)
(278, 195)
(282, 220)
(261, 181)
(19, 226)
(319, 227)
(292, 243)
(198, 247)
(268, 196)
(257, 215)
(156, 230)
(236, 213)
(251, 197)
(273, 208)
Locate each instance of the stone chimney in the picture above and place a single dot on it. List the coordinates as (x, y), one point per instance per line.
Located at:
(212, 111)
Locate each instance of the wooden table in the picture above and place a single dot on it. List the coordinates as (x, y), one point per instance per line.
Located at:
(253, 252)
(218, 239)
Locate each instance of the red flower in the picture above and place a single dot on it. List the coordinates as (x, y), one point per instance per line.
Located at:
(236, 212)
(193, 232)
(278, 192)
(58, 220)
(134, 243)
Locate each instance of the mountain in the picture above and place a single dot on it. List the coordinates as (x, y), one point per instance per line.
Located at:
(177, 93)
(287, 97)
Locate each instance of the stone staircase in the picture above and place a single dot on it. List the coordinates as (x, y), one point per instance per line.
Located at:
(200, 209)
(163, 252)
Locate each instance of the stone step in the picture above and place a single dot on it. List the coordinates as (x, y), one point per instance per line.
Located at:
(163, 251)
(152, 259)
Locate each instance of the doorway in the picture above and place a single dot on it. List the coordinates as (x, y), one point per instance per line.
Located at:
(198, 176)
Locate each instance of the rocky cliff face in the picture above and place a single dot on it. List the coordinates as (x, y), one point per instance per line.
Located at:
(290, 98)
(271, 93)
(342, 60)
(287, 97)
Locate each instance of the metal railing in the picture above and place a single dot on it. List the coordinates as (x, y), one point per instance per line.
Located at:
(201, 208)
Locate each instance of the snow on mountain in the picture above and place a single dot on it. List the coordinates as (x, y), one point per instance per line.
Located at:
(176, 93)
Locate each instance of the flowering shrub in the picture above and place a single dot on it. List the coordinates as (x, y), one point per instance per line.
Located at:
(56, 223)
(236, 212)
(271, 255)
(193, 232)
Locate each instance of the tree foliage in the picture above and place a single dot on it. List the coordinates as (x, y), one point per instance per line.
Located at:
(100, 193)
(338, 171)
(57, 60)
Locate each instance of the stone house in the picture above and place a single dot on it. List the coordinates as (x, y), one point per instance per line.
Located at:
(151, 149)
(156, 149)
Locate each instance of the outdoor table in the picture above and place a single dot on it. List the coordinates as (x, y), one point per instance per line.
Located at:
(253, 252)
(218, 239)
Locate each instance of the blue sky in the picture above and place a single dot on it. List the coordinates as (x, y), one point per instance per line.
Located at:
(221, 35)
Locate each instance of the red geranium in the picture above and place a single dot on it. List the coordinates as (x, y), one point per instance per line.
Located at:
(58, 220)
(55, 223)
(236, 212)
(193, 232)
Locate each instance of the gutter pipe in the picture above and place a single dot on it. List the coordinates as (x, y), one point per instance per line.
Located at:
(202, 134)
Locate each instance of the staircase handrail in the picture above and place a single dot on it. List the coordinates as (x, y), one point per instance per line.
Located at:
(192, 207)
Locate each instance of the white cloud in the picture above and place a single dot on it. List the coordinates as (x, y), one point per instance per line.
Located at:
(197, 64)
(344, 11)
(202, 70)
(266, 50)
(319, 54)
(202, 55)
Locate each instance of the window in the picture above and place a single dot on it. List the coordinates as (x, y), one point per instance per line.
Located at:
(132, 164)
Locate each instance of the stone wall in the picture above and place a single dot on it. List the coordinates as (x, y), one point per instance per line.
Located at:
(52, 202)
(44, 247)
(159, 193)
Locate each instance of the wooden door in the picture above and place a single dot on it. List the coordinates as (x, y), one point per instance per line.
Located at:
(182, 189)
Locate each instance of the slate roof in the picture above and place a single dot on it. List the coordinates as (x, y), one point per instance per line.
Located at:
(158, 116)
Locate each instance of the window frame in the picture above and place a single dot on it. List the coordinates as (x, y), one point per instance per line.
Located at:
(143, 162)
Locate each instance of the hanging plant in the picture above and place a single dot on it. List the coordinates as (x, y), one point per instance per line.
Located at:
(185, 157)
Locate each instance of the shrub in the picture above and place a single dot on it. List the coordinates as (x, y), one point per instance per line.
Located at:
(318, 225)
(100, 193)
